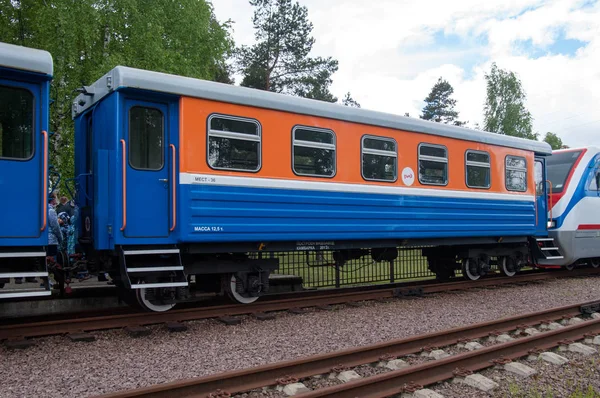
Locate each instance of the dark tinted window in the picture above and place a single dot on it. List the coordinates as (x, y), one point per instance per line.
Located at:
(314, 152)
(433, 165)
(379, 159)
(313, 136)
(16, 123)
(146, 138)
(478, 170)
(426, 150)
(558, 167)
(234, 143)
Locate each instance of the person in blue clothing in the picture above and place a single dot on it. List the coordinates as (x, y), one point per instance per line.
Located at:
(55, 236)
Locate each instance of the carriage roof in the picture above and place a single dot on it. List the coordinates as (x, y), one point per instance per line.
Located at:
(25, 58)
(121, 77)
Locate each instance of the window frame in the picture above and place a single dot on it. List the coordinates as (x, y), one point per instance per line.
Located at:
(316, 145)
(233, 135)
(506, 168)
(595, 169)
(377, 152)
(33, 124)
(162, 152)
(432, 159)
(477, 164)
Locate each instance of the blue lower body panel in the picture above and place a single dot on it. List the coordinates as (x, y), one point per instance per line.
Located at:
(235, 214)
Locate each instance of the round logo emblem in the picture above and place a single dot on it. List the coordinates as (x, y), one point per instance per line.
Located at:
(408, 176)
(88, 224)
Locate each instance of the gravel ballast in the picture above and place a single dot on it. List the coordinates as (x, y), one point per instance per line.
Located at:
(57, 367)
(579, 378)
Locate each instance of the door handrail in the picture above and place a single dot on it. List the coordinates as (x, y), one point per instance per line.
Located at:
(45, 184)
(174, 187)
(124, 182)
(549, 204)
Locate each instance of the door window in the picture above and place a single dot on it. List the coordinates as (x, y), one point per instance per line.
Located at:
(16, 123)
(539, 179)
(146, 138)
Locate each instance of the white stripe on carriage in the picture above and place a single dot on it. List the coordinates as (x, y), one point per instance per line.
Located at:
(254, 182)
(25, 294)
(22, 254)
(155, 269)
(23, 274)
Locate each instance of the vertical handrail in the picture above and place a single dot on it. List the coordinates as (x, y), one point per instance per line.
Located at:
(549, 204)
(124, 181)
(45, 184)
(174, 187)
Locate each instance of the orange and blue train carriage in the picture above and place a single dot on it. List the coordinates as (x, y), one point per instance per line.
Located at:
(200, 174)
(180, 182)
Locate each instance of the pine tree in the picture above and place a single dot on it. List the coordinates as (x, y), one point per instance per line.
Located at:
(349, 101)
(279, 60)
(439, 104)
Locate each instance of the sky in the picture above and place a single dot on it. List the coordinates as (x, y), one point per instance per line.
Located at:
(391, 53)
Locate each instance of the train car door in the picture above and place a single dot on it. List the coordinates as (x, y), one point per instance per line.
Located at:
(147, 170)
(22, 156)
(541, 198)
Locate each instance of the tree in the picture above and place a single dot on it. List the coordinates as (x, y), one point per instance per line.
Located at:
(349, 101)
(504, 111)
(439, 104)
(89, 37)
(279, 60)
(554, 141)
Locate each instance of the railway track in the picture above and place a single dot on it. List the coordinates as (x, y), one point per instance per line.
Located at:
(391, 382)
(20, 331)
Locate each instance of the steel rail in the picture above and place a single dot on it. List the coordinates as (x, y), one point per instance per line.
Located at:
(261, 376)
(64, 326)
(388, 384)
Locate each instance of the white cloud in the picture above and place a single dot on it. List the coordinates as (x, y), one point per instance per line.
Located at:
(389, 59)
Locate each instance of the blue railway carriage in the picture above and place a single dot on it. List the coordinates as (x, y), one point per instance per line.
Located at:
(181, 183)
(25, 76)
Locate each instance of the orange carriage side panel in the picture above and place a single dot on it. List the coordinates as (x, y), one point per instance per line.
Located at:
(277, 148)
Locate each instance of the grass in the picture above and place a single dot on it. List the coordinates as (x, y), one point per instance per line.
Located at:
(317, 269)
(538, 392)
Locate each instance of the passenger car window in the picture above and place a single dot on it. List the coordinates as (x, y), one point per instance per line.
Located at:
(234, 143)
(478, 169)
(595, 177)
(516, 173)
(16, 123)
(379, 159)
(313, 152)
(146, 138)
(433, 164)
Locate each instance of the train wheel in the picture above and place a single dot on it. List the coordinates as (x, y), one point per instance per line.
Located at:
(508, 266)
(570, 267)
(230, 287)
(470, 269)
(595, 262)
(148, 305)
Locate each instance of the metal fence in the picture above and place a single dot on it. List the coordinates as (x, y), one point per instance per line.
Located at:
(318, 269)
